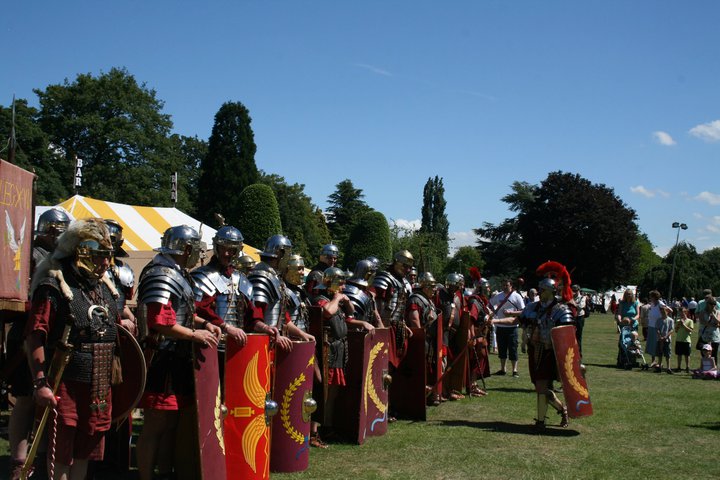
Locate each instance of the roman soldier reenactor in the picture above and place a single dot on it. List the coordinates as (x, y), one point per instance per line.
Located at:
(391, 293)
(480, 315)
(356, 289)
(422, 313)
(328, 258)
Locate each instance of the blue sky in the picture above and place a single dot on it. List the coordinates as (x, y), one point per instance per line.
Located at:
(389, 93)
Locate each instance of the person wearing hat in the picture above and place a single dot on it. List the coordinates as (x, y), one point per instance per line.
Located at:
(328, 258)
(73, 300)
(708, 367)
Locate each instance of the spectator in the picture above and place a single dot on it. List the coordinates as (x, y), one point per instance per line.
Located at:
(692, 306)
(683, 327)
(665, 329)
(656, 315)
(644, 310)
(709, 320)
(708, 368)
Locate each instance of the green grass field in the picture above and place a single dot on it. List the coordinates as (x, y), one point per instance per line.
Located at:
(645, 425)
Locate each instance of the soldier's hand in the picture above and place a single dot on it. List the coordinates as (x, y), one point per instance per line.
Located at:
(367, 326)
(214, 329)
(308, 338)
(44, 397)
(284, 343)
(236, 334)
(409, 332)
(129, 325)
(205, 338)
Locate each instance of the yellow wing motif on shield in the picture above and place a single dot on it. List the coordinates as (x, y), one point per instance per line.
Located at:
(256, 428)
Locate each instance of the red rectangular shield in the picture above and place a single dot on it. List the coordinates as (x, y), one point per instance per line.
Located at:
(247, 386)
(292, 391)
(209, 412)
(374, 405)
(567, 356)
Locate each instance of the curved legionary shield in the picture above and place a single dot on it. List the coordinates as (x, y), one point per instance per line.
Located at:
(375, 384)
(126, 395)
(209, 408)
(292, 392)
(249, 408)
(407, 390)
(567, 356)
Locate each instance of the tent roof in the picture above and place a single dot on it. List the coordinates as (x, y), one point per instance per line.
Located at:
(143, 227)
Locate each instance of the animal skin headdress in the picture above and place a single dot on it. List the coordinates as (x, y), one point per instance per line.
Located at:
(78, 231)
(557, 272)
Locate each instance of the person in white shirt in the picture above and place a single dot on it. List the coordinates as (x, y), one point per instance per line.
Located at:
(507, 303)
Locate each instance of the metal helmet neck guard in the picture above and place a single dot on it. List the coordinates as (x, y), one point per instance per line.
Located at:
(230, 238)
(329, 253)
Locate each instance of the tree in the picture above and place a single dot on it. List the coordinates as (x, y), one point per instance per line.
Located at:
(464, 258)
(434, 219)
(116, 126)
(260, 217)
(229, 166)
(429, 253)
(566, 218)
(645, 261)
(346, 207)
(501, 245)
(370, 236)
(299, 217)
(33, 153)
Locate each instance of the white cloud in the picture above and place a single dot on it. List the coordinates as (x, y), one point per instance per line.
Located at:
(664, 138)
(716, 219)
(406, 224)
(710, 132)
(640, 190)
(462, 239)
(697, 215)
(713, 228)
(663, 193)
(709, 198)
(373, 69)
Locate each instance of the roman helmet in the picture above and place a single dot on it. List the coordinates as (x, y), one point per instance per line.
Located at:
(329, 254)
(556, 280)
(175, 241)
(51, 224)
(454, 281)
(280, 247)
(333, 280)
(403, 261)
(244, 263)
(116, 237)
(427, 282)
(295, 270)
(364, 273)
(230, 238)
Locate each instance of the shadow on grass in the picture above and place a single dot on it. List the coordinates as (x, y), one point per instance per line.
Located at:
(504, 427)
(707, 426)
(511, 390)
(604, 365)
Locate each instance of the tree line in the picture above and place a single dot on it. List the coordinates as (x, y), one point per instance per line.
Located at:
(116, 125)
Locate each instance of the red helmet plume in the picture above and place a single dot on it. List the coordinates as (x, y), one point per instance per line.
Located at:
(559, 273)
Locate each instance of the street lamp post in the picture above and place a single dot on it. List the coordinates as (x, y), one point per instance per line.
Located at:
(679, 226)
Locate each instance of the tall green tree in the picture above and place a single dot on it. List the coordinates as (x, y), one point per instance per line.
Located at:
(116, 126)
(33, 152)
(260, 218)
(346, 206)
(433, 217)
(645, 261)
(429, 253)
(299, 217)
(192, 150)
(370, 236)
(229, 166)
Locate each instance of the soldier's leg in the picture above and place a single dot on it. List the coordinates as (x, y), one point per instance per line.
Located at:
(541, 387)
(149, 445)
(20, 425)
(559, 407)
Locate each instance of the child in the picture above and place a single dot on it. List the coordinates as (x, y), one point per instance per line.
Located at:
(635, 349)
(708, 369)
(665, 328)
(683, 327)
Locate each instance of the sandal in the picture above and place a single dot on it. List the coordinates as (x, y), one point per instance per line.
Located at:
(316, 442)
(455, 396)
(564, 422)
(539, 425)
(477, 392)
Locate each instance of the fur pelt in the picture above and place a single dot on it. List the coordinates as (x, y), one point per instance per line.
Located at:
(78, 231)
